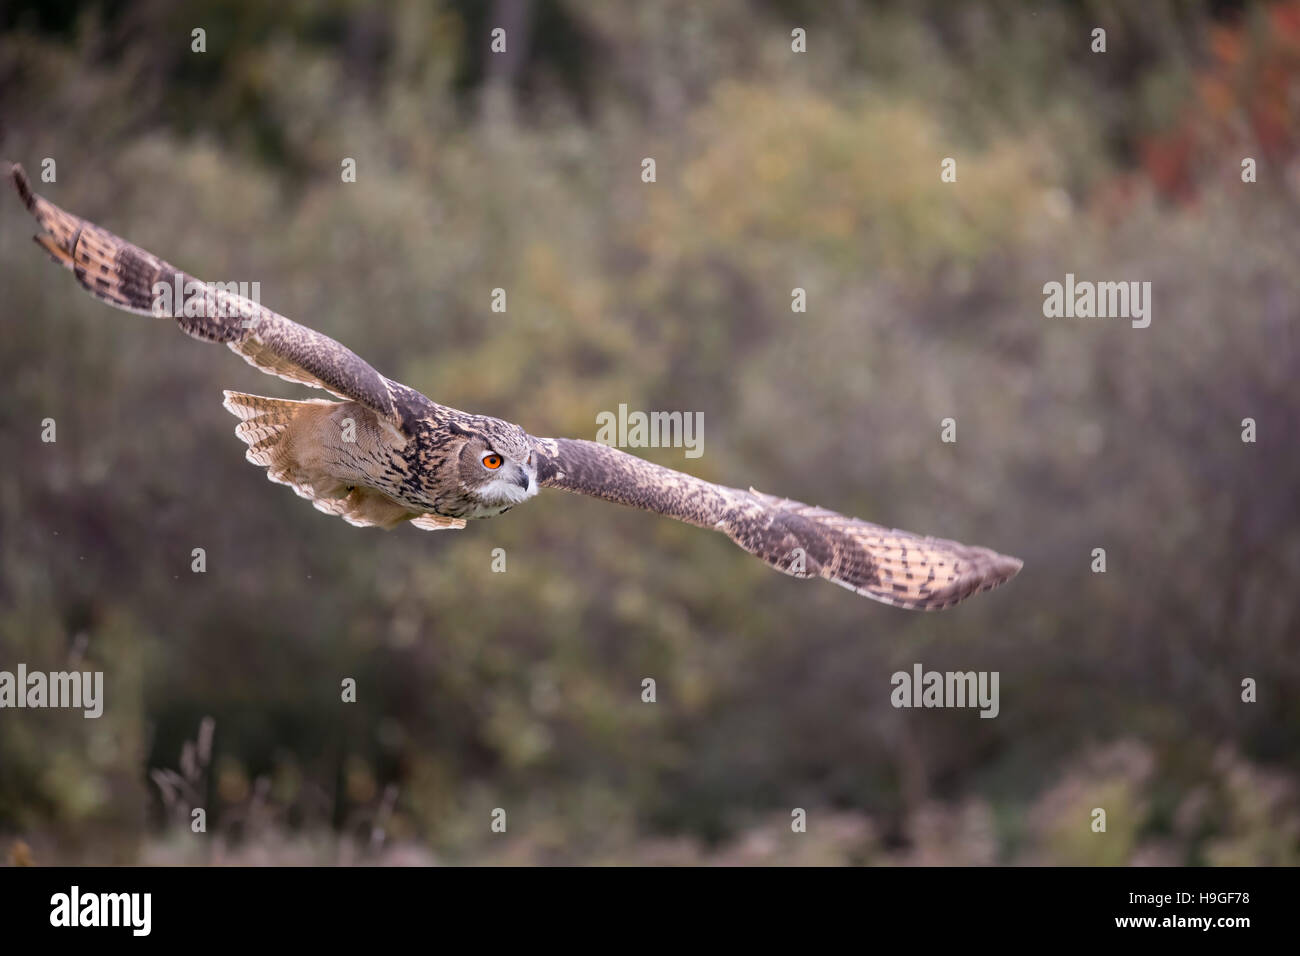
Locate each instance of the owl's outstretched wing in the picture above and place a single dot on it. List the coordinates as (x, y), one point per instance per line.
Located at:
(124, 275)
(895, 567)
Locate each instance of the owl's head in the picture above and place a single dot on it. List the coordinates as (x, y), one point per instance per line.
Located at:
(497, 466)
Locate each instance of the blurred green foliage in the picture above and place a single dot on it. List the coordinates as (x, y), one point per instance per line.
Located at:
(522, 690)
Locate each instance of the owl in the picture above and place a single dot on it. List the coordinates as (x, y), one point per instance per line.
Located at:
(384, 454)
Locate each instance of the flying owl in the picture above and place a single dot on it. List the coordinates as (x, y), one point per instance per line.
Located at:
(385, 454)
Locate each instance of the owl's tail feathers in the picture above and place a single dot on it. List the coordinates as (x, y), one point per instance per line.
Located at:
(285, 438)
(279, 434)
(266, 425)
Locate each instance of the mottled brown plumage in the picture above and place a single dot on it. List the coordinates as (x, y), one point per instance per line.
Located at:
(386, 454)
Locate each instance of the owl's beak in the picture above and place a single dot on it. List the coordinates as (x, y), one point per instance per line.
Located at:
(522, 480)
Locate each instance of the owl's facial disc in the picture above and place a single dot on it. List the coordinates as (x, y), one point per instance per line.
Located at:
(510, 483)
(496, 479)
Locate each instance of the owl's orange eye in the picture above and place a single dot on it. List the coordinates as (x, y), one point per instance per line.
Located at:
(492, 461)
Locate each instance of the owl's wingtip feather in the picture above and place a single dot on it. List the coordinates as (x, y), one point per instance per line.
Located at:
(1006, 567)
(18, 176)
